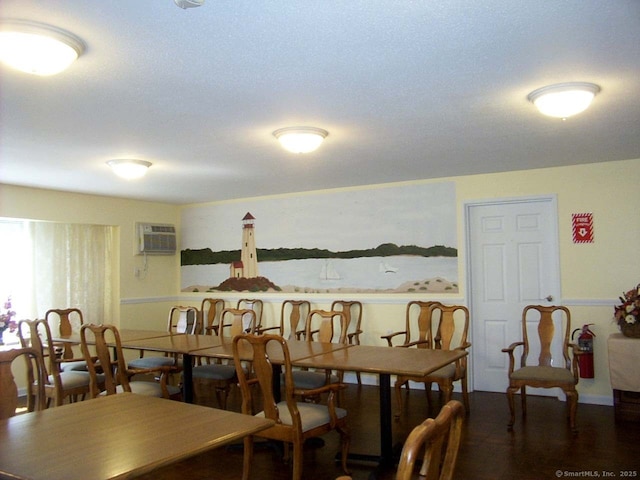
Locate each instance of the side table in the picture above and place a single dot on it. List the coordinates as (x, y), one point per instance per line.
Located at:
(624, 358)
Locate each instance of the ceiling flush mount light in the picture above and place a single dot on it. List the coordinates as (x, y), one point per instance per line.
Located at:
(37, 48)
(300, 139)
(184, 4)
(563, 100)
(128, 168)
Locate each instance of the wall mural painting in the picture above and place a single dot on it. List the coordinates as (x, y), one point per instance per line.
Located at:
(397, 239)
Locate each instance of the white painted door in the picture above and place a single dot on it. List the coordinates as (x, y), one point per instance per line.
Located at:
(513, 262)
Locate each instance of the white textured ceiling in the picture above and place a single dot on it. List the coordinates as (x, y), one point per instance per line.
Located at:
(407, 89)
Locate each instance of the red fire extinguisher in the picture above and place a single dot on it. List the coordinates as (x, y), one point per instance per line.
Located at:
(585, 343)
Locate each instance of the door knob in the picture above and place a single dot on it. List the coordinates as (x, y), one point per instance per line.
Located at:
(549, 298)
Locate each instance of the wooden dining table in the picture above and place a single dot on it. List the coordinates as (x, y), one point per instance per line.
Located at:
(114, 437)
(383, 361)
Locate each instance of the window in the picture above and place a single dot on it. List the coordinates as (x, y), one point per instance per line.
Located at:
(53, 265)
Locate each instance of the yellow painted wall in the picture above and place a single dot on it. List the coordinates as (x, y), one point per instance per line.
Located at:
(592, 275)
(156, 291)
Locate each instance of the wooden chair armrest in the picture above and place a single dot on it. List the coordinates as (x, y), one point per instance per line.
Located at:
(329, 388)
(311, 334)
(512, 347)
(68, 360)
(414, 343)
(509, 350)
(391, 335)
(261, 330)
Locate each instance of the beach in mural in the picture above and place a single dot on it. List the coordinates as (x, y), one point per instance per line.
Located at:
(396, 274)
(351, 241)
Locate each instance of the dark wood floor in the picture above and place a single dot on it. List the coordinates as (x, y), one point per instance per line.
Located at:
(542, 447)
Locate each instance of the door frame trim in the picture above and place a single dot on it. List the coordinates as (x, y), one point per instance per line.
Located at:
(467, 206)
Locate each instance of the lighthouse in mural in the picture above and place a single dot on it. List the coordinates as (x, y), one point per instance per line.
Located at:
(247, 267)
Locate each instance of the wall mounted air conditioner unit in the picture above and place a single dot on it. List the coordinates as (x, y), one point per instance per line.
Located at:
(156, 239)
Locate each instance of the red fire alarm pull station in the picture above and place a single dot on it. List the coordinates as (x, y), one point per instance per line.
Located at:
(583, 228)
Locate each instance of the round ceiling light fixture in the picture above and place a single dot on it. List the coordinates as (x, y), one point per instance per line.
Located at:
(563, 100)
(37, 48)
(129, 168)
(300, 139)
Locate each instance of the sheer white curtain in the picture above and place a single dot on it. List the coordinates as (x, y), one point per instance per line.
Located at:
(53, 265)
(72, 267)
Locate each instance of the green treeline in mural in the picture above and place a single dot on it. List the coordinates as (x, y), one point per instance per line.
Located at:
(205, 256)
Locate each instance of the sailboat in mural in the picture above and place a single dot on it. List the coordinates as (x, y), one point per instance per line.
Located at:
(328, 271)
(386, 268)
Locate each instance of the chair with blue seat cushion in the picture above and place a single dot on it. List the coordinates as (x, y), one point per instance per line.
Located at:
(35, 375)
(181, 320)
(327, 326)
(66, 321)
(59, 384)
(117, 377)
(294, 422)
(216, 379)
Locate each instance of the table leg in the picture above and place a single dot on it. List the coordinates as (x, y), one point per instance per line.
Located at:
(386, 438)
(187, 378)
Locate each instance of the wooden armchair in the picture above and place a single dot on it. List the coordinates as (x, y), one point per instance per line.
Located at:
(417, 326)
(321, 326)
(544, 374)
(291, 312)
(450, 335)
(252, 304)
(59, 384)
(181, 320)
(353, 319)
(439, 439)
(295, 422)
(36, 375)
(210, 311)
(217, 378)
(114, 373)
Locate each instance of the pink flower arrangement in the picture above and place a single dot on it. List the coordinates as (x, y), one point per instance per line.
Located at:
(6, 318)
(628, 313)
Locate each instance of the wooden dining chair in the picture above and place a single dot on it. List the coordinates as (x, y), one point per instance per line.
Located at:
(113, 371)
(35, 375)
(543, 373)
(434, 445)
(353, 318)
(254, 304)
(210, 310)
(66, 321)
(417, 327)
(293, 314)
(59, 384)
(216, 379)
(181, 320)
(327, 326)
(440, 439)
(451, 334)
(295, 421)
